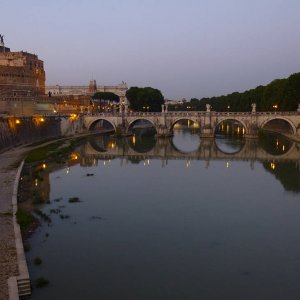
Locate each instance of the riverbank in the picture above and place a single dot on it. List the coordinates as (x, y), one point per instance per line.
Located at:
(9, 163)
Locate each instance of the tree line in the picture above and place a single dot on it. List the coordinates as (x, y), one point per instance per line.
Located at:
(280, 94)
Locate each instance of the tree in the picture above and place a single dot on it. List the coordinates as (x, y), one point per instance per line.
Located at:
(106, 96)
(291, 96)
(145, 99)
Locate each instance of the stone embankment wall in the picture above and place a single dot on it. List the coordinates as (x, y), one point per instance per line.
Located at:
(29, 130)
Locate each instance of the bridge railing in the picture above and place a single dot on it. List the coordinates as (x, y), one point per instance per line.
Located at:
(190, 113)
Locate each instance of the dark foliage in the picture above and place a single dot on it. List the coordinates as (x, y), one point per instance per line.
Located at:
(145, 99)
(280, 94)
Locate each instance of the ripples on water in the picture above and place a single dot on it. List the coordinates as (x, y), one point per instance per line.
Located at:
(179, 219)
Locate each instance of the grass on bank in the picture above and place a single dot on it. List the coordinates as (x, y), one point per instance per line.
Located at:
(25, 219)
(54, 149)
(43, 153)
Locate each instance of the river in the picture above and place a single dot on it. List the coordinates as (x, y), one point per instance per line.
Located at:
(171, 219)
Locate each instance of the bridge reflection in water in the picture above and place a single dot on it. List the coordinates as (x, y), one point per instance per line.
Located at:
(276, 154)
(273, 149)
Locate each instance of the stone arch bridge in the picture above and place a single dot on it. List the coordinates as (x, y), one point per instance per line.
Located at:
(207, 121)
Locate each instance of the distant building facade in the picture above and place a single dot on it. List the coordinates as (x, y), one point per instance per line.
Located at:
(91, 89)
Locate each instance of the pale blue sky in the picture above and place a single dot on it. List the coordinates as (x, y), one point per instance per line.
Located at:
(186, 48)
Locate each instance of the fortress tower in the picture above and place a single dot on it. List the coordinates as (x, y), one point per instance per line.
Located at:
(21, 74)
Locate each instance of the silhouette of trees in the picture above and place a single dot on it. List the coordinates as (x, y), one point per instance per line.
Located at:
(280, 94)
(145, 99)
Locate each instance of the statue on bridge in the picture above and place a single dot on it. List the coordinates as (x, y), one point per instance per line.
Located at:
(253, 107)
(208, 107)
(1, 39)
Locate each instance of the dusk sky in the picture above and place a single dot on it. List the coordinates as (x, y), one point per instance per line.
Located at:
(190, 48)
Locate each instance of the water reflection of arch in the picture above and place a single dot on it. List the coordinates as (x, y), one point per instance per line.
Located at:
(230, 118)
(207, 150)
(229, 153)
(292, 126)
(193, 152)
(284, 155)
(100, 144)
(131, 123)
(141, 147)
(94, 122)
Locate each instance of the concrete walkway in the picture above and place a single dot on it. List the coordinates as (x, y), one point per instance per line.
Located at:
(8, 258)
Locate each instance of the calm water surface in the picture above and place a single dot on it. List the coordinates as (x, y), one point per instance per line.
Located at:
(179, 219)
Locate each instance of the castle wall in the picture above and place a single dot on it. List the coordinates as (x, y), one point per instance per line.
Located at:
(21, 74)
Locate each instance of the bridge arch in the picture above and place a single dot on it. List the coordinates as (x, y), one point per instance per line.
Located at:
(219, 121)
(95, 121)
(133, 121)
(183, 118)
(292, 125)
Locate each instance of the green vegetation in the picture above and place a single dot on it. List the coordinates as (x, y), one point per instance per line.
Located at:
(25, 219)
(280, 94)
(74, 200)
(41, 282)
(42, 153)
(106, 96)
(37, 261)
(44, 216)
(41, 142)
(145, 99)
(37, 199)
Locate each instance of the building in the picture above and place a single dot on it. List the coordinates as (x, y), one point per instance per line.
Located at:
(21, 74)
(22, 81)
(91, 89)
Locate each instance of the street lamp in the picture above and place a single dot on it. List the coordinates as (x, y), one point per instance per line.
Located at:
(228, 107)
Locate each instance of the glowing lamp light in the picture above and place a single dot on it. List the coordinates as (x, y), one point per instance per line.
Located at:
(74, 156)
(73, 116)
(273, 166)
(18, 122)
(44, 166)
(42, 119)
